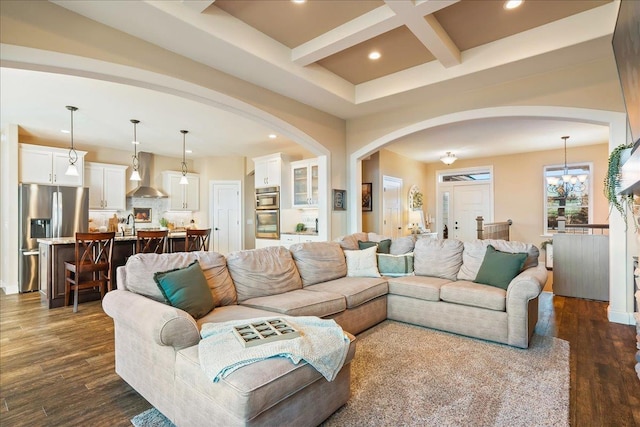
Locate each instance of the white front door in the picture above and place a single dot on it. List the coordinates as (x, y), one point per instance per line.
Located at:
(391, 207)
(469, 202)
(226, 216)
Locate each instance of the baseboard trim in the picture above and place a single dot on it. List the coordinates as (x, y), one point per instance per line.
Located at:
(622, 317)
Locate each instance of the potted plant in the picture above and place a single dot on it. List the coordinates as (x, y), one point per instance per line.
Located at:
(613, 179)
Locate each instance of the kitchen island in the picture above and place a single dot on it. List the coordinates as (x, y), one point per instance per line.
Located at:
(55, 251)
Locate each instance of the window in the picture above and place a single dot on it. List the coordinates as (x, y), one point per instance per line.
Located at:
(479, 176)
(567, 194)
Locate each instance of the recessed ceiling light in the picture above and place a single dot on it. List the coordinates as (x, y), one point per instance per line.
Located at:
(135, 142)
(298, 1)
(272, 136)
(64, 131)
(188, 151)
(374, 55)
(512, 4)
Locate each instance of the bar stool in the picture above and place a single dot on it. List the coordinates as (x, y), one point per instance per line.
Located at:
(197, 240)
(151, 241)
(91, 267)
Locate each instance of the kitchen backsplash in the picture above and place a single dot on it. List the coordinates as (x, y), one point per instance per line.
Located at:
(158, 210)
(289, 218)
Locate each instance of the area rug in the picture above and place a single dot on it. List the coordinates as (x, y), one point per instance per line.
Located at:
(404, 375)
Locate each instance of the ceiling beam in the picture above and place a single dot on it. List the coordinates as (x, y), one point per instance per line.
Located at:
(198, 5)
(360, 29)
(428, 30)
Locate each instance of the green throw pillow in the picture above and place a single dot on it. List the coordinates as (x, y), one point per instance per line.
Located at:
(187, 289)
(499, 268)
(384, 246)
(395, 265)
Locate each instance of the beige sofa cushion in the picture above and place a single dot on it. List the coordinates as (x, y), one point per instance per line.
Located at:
(319, 261)
(263, 272)
(474, 252)
(248, 392)
(356, 290)
(232, 312)
(399, 245)
(350, 242)
(141, 267)
(474, 294)
(438, 258)
(300, 302)
(419, 287)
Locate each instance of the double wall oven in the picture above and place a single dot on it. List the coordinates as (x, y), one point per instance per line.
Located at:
(268, 213)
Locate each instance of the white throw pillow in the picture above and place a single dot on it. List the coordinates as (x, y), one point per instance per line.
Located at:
(362, 263)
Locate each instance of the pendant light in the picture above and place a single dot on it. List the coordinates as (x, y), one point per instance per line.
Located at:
(135, 175)
(184, 180)
(72, 170)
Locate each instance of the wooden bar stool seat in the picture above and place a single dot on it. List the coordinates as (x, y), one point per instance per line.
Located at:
(197, 240)
(151, 241)
(91, 267)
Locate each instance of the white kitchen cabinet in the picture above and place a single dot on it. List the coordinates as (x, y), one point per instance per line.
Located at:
(107, 185)
(268, 170)
(304, 183)
(47, 165)
(265, 243)
(287, 240)
(182, 197)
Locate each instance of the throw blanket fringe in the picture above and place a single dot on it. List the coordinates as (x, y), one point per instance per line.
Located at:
(322, 344)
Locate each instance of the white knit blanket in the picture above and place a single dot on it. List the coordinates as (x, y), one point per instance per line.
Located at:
(322, 344)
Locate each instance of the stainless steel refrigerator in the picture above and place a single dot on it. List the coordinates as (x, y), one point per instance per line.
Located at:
(47, 211)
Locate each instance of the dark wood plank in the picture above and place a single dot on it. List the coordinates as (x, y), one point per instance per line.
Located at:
(57, 367)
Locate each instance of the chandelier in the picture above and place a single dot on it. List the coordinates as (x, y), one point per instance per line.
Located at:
(567, 186)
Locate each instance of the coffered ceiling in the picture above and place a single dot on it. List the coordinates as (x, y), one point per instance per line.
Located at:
(339, 35)
(317, 53)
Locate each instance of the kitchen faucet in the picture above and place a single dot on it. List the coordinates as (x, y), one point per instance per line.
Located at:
(133, 227)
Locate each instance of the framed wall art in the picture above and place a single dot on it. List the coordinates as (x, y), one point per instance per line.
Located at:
(367, 197)
(339, 200)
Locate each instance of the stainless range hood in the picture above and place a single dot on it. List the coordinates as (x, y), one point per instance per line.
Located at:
(144, 188)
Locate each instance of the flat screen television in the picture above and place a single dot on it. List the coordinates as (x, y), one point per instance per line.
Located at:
(626, 49)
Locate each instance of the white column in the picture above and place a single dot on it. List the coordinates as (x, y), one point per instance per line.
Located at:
(9, 209)
(622, 247)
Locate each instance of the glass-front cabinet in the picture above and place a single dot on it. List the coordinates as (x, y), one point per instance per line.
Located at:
(304, 182)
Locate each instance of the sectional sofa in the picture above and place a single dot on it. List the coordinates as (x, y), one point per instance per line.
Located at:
(156, 344)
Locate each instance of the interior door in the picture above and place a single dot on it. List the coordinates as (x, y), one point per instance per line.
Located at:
(469, 202)
(227, 235)
(391, 207)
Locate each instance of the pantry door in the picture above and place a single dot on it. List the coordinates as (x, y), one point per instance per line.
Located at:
(391, 207)
(226, 216)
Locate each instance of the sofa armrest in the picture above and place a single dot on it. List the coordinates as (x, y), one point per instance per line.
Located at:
(527, 285)
(522, 316)
(164, 324)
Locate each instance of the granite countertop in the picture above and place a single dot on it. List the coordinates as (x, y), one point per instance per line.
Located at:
(301, 233)
(118, 238)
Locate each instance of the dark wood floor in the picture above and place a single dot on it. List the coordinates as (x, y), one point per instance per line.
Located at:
(57, 367)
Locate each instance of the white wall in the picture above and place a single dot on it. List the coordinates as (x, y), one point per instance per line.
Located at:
(9, 209)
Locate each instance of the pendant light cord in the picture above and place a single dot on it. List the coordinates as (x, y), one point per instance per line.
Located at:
(566, 170)
(184, 152)
(73, 155)
(136, 162)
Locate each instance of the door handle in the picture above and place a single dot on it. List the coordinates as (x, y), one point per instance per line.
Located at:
(216, 229)
(29, 253)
